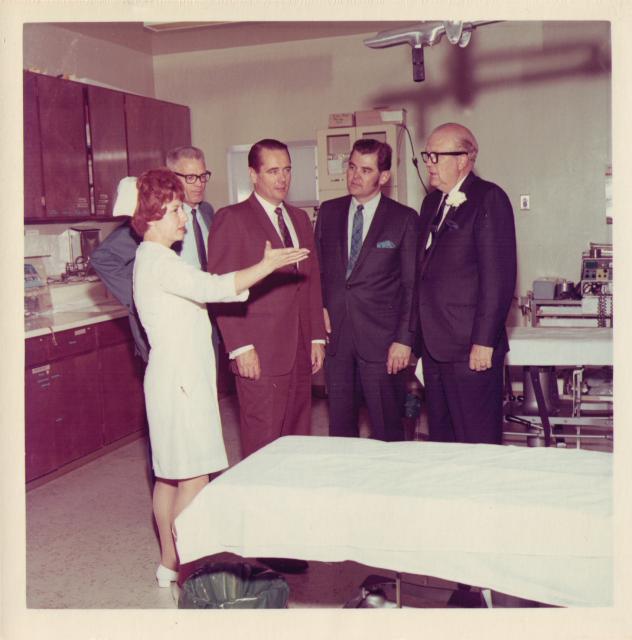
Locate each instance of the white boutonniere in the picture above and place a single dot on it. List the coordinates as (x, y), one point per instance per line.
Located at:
(456, 199)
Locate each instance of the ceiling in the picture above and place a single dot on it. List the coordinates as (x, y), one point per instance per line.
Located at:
(219, 35)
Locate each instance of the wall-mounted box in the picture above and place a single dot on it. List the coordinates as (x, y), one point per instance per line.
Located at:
(380, 116)
(341, 120)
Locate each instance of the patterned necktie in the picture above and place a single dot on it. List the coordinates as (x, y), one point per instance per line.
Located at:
(199, 240)
(285, 232)
(356, 239)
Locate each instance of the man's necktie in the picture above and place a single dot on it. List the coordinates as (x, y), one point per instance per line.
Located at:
(285, 232)
(437, 220)
(199, 240)
(356, 238)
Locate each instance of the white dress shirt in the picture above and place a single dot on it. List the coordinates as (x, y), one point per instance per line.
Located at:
(189, 251)
(446, 208)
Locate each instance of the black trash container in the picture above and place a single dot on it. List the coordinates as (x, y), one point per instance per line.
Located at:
(229, 585)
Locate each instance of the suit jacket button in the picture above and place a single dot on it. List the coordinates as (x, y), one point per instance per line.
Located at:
(347, 286)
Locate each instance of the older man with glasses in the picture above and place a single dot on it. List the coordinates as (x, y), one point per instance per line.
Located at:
(113, 260)
(466, 280)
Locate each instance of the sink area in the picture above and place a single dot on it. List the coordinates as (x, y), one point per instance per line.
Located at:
(79, 295)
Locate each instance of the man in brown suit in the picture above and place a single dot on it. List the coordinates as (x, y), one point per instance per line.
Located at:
(276, 339)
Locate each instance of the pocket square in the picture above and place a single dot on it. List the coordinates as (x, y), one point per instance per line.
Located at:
(386, 244)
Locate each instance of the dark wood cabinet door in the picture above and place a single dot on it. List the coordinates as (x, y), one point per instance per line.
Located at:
(33, 183)
(122, 391)
(64, 153)
(176, 126)
(77, 391)
(42, 420)
(109, 145)
(143, 118)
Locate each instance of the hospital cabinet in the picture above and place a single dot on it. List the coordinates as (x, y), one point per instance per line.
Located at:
(83, 392)
(80, 140)
(334, 149)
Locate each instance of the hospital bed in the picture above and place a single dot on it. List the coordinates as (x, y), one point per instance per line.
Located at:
(534, 348)
(534, 523)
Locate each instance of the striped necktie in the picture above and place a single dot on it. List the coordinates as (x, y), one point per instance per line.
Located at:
(285, 232)
(356, 238)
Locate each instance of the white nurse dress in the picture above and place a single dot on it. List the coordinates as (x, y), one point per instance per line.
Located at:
(180, 385)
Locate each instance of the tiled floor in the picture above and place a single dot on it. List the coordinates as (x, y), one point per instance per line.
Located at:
(91, 542)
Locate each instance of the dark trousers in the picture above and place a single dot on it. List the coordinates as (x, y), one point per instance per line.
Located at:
(349, 377)
(463, 405)
(275, 406)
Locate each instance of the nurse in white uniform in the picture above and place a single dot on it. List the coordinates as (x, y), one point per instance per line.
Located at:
(180, 386)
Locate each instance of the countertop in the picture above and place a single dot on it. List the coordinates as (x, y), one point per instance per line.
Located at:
(43, 324)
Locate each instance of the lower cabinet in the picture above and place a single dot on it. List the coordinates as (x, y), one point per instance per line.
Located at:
(83, 391)
(41, 421)
(122, 391)
(78, 429)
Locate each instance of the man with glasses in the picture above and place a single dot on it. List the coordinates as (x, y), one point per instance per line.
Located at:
(113, 260)
(466, 280)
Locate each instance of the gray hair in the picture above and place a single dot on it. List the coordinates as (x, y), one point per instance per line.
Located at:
(190, 153)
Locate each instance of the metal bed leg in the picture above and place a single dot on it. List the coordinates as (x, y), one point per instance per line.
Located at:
(539, 397)
(486, 594)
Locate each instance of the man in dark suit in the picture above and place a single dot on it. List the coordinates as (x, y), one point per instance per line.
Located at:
(114, 259)
(276, 339)
(466, 281)
(367, 246)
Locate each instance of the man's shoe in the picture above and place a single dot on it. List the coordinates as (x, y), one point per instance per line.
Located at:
(285, 565)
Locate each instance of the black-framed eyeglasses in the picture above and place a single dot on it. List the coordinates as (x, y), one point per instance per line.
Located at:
(433, 156)
(190, 178)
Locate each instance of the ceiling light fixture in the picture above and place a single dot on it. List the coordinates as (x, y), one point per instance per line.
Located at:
(425, 34)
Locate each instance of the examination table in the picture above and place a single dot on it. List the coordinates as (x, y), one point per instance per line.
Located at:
(535, 523)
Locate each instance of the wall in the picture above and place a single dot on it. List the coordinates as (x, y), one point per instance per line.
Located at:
(53, 50)
(537, 95)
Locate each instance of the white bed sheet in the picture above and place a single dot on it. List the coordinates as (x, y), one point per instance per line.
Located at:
(551, 346)
(529, 522)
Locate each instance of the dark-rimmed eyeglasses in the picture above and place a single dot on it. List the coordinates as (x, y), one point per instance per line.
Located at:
(433, 156)
(190, 178)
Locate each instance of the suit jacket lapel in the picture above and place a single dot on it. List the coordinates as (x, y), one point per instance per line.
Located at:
(261, 218)
(343, 231)
(432, 212)
(296, 223)
(465, 186)
(452, 211)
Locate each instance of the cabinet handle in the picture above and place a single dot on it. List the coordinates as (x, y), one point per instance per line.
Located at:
(55, 376)
(59, 419)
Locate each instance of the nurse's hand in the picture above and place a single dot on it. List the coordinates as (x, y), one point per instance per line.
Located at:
(248, 365)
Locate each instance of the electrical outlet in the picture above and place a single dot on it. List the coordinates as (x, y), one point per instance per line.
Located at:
(525, 203)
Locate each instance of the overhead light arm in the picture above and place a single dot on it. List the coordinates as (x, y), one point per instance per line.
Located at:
(425, 34)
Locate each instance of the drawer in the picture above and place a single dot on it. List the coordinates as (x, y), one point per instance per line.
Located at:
(37, 350)
(114, 332)
(73, 341)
